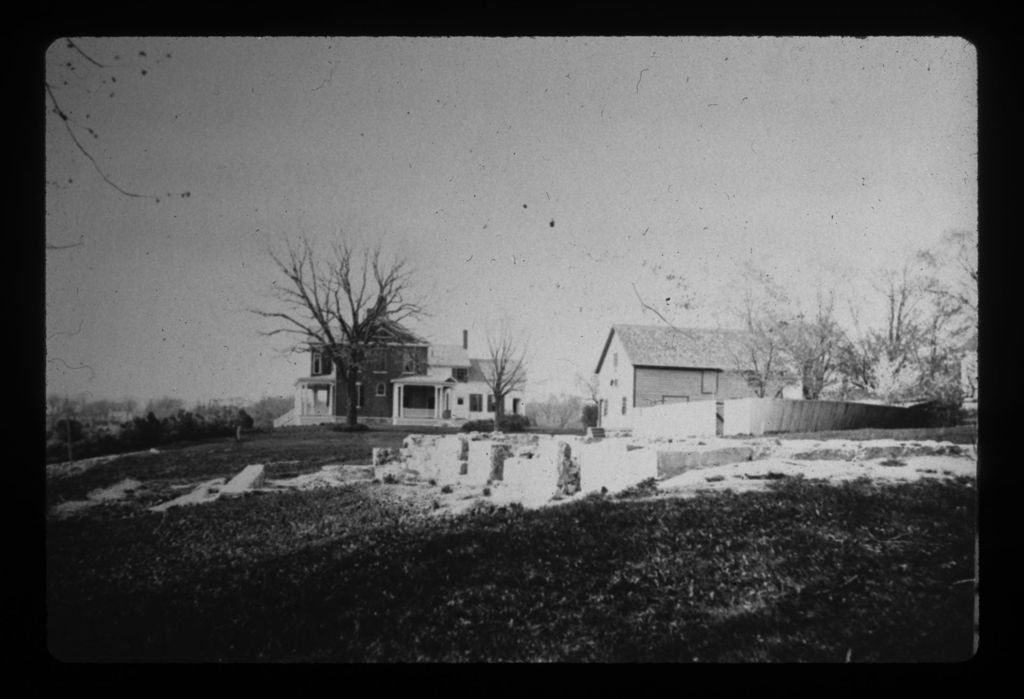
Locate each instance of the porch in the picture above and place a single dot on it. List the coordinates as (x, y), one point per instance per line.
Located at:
(314, 403)
(422, 400)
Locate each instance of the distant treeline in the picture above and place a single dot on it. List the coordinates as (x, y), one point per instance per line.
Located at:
(86, 429)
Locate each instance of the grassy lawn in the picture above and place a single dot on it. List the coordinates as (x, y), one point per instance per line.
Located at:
(804, 572)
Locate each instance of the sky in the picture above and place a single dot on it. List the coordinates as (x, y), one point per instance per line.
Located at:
(556, 185)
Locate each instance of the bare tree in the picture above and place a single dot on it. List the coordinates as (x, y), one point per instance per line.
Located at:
(761, 350)
(342, 303)
(590, 386)
(555, 411)
(951, 280)
(506, 371)
(812, 342)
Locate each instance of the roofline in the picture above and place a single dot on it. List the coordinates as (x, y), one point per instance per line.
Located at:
(682, 366)
(607, 344)
(316, 345)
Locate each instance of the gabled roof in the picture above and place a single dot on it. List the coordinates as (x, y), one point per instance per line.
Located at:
(481, 369)
(663, 346)
(447, 355)
(390, 334)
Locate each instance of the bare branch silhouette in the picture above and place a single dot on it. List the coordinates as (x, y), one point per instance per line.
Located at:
(343, 303)
(92, 373)
(68, 121)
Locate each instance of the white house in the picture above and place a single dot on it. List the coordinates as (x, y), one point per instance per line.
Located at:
(647, 365)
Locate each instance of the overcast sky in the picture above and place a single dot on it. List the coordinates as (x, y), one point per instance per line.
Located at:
(533, 179)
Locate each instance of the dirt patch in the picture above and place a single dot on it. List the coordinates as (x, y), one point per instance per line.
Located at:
(120, 491)
(756, 475)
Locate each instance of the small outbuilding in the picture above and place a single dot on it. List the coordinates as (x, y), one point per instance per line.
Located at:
(647, 365)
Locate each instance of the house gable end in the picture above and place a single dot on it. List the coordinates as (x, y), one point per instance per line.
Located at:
(604, 352)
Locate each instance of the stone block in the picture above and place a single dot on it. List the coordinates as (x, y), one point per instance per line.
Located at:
(673, 462)
(248, 478)
(384, 455)
(880, 451)
(847, 452)
(610, 465)
(568, 469)
(499, 452)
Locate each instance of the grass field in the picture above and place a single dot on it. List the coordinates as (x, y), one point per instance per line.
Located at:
(803, 572)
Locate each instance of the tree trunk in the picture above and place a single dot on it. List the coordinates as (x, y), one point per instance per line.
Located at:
(499, 412)
(352, 414)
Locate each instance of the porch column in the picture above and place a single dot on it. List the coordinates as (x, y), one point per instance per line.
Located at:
(437, 402)
(396, 410)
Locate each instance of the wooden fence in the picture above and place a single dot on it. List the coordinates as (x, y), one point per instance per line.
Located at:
(760, 415)
(675, 420)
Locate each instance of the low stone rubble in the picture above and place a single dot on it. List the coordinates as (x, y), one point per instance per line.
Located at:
(542, 468)
(536, 469)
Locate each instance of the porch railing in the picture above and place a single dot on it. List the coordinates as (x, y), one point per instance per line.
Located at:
(418, 412)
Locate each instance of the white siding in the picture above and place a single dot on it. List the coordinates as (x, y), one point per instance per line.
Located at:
(616, 368)
(463, 390)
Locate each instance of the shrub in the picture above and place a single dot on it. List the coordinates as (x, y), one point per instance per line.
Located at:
(589, 417)
(510, 423)
(514, 423)
(446, 489)
(645, 488)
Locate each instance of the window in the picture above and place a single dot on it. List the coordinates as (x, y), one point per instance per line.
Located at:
(461, 375)
(379, 362)
(708, 381)
(382, 389)
(490, 403)
(623, 405)
(460, 400)
(408, 363)
(321, 364)
(476, 402)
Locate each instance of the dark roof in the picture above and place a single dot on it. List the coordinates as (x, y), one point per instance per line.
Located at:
(390, 334)
(481, 369)
(663, 346)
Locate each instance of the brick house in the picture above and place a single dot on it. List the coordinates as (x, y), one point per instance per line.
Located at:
(407, 382)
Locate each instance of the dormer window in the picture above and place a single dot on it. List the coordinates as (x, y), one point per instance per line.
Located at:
(461, 374)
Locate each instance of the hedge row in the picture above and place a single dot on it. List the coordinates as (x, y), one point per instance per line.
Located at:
(140, 433)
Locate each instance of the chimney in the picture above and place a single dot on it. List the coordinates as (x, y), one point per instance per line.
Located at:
(465, 339)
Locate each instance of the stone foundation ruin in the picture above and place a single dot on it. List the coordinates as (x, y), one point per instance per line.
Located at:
(542, 467)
